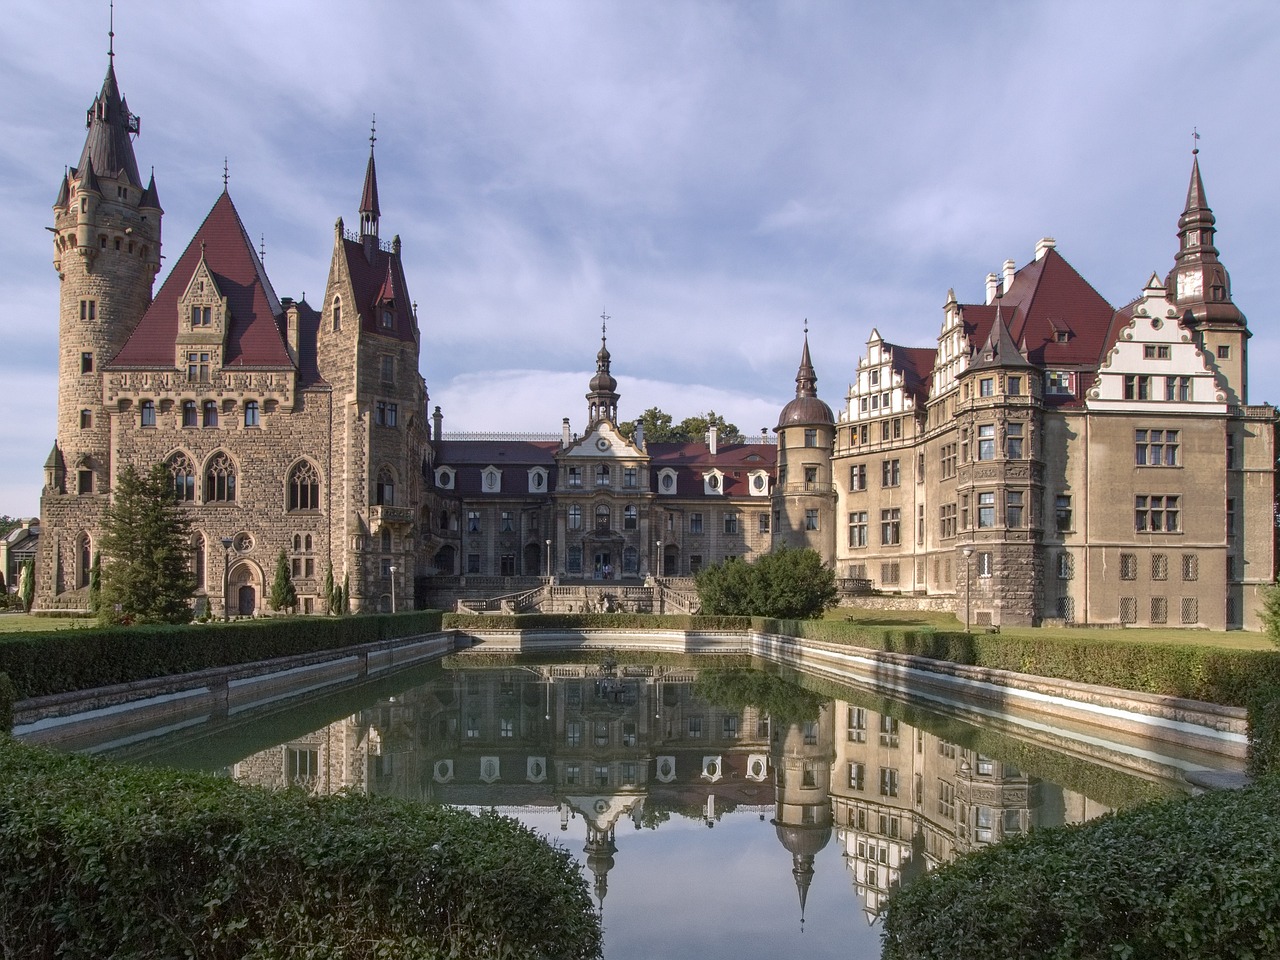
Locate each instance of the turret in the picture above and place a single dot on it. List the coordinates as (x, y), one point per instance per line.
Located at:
(804, 498)
(602, 395)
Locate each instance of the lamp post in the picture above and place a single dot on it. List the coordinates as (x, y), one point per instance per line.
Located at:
(393, 588)
(226, 578)
(658, 563)
(548, 543)
(968, 552)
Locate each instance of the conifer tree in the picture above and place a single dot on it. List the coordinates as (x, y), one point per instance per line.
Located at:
(284, 596)
(345, 607)
(146, 568)
(330, 603)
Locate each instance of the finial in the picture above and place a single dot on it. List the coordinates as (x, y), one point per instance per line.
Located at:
(1195, 141)
(111, 33)
(201, 249)
(806, 326)
(373, 132)
(262, 247)
(604, 324)
(226, 174)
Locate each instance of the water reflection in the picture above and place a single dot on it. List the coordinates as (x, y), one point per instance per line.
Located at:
(597, 748)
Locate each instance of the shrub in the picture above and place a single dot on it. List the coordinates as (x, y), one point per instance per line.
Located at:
(1196, 877)
(7, 699)
(66, 660)
(1264, 732)
(100, 859)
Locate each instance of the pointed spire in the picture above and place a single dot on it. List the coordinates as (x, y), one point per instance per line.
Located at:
(602, 395)
(806, 407)
(369, 212)
(1198, 281)
(806, 377)
(64, 192)
(151, 197)
(111, 126)
(1000, 350)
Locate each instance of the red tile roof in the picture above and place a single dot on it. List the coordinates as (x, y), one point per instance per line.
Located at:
(255, 339)
(916, 366)
(376, 283)
(1051, 297)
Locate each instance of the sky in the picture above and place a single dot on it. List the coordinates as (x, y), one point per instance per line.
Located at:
(712, 175)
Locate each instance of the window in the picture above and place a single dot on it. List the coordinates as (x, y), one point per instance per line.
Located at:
(858, 528)
(183, 472)
(575, 517)
(920, 528)
(1231, 517)
(88, 309)
(147, 413)
(729, 727)
(810, 478)
(201, 316)
(1058, 383)
(1062, 511)
(890, 526)
(884, 430)
(811, 519)
(987, 509)
(730, 523)
(762, 520)
(385, 537)
(1013, 508)
(209, 413)
(507, 565)
(473, 563)
(947, 521)
(695, 523)
(1177, 389)
(304, 486)
(1066, 566)
(575, 476)
(946, 800)
(573, 560)
(387, 367)
(86, 419)
(86, 363)
(1137, 387)
(189, 415)
(889, 731)
(857, 776)
(810, 437)
(1013, 441)
(84, 481)
(1128, 609)
(856, 725)
(1128, 566)
(473, 521)
(388, 318)
(1014, 388)
(984, 565)
(857, 477)
(1159, 566)
(337, 314)
(1156, 448)
(1190, 567)
(1224, 352)
(1231, 450)
(987, 387)
(695, 728)
(888, 782)
(385, 414)
(1155, 351)
(602, 475)
(889, 573)
(604, 517)
(631, 519)
(507, 522)
(630, 477)
(890, 473)
(948, 460)
(1159, 610)
(220, 480)
(1156, 514)
(1190, 610)
(384, 490)
(986, 441)
(251, 413)
(198, 367)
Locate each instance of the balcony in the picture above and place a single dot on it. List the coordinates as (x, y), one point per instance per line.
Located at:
(381, 515)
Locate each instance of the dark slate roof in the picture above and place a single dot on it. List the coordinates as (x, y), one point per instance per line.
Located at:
(308, 337)
(806, 408)
(1050, 296)
(107, 147)
(375, 283)
(255, 339)
(692, 460)
(468, 458)
(916, 366)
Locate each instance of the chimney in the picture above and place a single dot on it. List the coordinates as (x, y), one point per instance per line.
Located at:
(1010, 268)
(437, 425)
(711, 439)
(639, 437)
(565, 438)
(993, 287)
(1044, 245)
(291, 318)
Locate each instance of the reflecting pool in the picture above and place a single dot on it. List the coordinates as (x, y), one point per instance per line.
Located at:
(716, 813)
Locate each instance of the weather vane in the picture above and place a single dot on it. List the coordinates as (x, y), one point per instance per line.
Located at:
(226, 174)
(373, 132)
(111, 32)
(1195, 141)
(604, 322)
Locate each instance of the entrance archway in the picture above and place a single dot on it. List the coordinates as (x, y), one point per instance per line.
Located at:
(246, 600)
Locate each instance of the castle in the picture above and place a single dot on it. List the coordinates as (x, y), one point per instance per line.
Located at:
(1051, 457)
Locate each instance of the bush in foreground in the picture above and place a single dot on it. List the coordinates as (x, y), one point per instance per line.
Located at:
(1195, 877)
(99, 859)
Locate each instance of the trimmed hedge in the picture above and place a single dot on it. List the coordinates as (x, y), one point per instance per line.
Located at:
(592, 621)
(101, 859)
(1191, 878)
(1264, 732)
(67, 660)
(7, 699)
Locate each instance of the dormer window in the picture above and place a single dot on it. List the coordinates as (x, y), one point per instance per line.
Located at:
(492, 480)
(388, 318)
(444, 478)
(537, 480)
(667, 481)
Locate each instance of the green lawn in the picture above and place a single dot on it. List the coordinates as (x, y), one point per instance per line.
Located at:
(1233, 639)
(26, 623)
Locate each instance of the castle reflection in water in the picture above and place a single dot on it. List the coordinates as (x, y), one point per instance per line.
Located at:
(605, 744)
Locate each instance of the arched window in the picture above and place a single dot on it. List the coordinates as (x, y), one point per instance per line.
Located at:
(602, 517)
(189, 414)
(575, 517)
(251, 413)
(386, 540)
(210, 413)
(84, 561)
(384, 491)
(444, 519)
(337, 314)
(304, 486)
(197, 559)
(630, 517)
(306, 543)
(183, 472)
(220, 480)
(148, 413)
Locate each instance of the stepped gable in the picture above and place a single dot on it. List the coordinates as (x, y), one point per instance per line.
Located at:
(691, 460)
(254, 340)
(379, 281)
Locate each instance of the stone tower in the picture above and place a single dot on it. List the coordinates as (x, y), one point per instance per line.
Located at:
(804, 498)
(106, 249)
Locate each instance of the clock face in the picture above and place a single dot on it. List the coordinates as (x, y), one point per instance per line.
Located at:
(1190, 285)
(602, 444)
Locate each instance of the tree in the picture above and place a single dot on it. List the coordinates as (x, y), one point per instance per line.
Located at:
(95, 583)
(344, 607)
(8, 524)
(787, 584)
(284, 596)
(330, 601)
(146, 570)
(659, 428)
(1270, 612)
